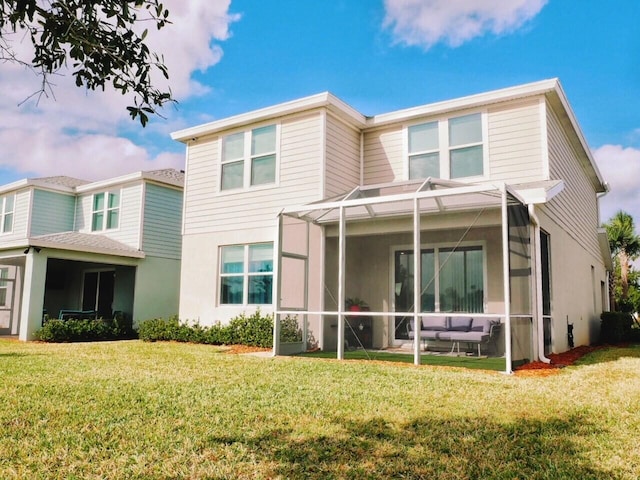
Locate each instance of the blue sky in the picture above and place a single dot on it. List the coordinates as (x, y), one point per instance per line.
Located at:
(227, 58)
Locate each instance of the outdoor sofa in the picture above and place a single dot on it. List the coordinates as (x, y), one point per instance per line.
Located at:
(469, 330)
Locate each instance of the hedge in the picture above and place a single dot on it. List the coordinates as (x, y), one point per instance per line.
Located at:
(76, 330)
(615, 327)
(254, 330)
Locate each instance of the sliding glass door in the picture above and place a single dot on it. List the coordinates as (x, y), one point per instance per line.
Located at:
(452, 280)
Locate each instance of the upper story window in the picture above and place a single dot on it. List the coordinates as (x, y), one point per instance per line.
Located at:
(106, 211)
(449, 148)
(7, 204)
(246, 274)
(249, 158)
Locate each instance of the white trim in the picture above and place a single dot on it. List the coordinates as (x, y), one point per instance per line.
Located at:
(324, 99)
(323, 155)
(106, 210)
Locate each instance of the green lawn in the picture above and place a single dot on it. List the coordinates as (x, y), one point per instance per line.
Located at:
(166, 410)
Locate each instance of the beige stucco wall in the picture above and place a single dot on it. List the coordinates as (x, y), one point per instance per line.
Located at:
(576, 295)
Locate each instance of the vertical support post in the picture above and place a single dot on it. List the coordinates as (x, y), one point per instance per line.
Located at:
(277, 248)
(341, 283)
(35, 273)
(505, 279)
(417, 283)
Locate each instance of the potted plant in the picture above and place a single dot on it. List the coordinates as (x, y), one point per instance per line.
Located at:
(356, 305)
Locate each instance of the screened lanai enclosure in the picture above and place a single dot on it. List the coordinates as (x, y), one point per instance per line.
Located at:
(441, 267)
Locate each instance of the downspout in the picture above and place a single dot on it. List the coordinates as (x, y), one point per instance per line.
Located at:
(538, 279)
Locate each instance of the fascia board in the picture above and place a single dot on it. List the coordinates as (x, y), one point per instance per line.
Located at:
(324, 99)
(471, 101)
(84, 249)
(125, 179)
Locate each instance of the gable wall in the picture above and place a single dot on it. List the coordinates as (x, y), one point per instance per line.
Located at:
(128, 231)
(515, 146)
(575, 209)
(52, 212)
(342, 172)
(161, 235)
(300, 164)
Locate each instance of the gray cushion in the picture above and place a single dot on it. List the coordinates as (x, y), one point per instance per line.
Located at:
(481, 325)
(434, 323)
(474, 337)
(460, 324)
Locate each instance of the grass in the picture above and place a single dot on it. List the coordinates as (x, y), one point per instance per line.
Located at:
(167, 410)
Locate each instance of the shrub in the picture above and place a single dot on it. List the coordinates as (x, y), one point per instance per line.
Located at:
(75, 330)
(615, 327)
(255, 330)
(289, 330)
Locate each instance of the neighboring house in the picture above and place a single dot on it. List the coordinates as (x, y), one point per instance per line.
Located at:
(296, 207)
(107, 246)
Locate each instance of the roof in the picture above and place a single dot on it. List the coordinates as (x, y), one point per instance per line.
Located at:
(61, 180)
(432, 195)
(85, 242)
(549, 88)
(166, 176)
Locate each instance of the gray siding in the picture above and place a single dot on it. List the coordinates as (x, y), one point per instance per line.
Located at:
(162, 222)
(300, 164)
(52, 212)
(342, 171)
(383, 154)
(515, 142)
(575, 209)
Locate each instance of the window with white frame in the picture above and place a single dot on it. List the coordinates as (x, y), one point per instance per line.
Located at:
(449, 148)
(105, 214)
(7, 204)
(4, 286)
(249, 158)
(246, 274)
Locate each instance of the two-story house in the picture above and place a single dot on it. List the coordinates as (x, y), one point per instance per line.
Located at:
(104, 247)
(489, 203)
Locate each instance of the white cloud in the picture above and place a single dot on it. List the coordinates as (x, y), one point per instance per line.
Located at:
(454, 22)
(620, 167)
(79, 133)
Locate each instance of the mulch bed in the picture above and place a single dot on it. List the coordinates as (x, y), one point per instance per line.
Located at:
(558, 360)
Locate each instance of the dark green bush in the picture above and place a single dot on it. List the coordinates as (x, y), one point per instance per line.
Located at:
(75, 330)
(615, 327)
(254, 330)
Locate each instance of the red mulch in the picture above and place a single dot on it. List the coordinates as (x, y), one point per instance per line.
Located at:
(558, 360)
(240, 349)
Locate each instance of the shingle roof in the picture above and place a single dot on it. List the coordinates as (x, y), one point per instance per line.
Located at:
(166, 174)
(62, 180)
(85, 242)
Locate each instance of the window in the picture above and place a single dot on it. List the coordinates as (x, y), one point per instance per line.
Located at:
(249, 158)
(105, 211)
(449, 148)
(424, 154)
(465, 146)
(246, 274)
(4, 286)
(7, 205)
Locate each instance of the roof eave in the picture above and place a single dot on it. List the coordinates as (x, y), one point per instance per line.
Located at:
(325, 99)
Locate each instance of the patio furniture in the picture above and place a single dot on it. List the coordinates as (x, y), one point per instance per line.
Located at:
(478, 331)
(67, 314)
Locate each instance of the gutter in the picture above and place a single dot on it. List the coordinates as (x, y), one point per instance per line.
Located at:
(538, 280)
